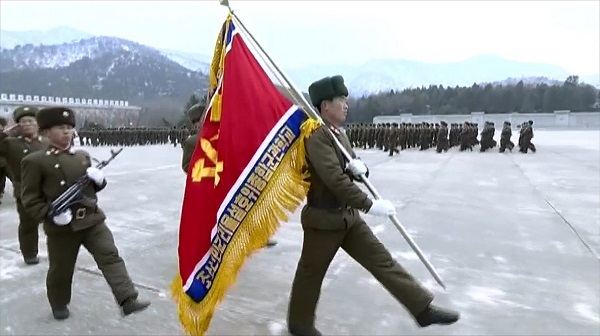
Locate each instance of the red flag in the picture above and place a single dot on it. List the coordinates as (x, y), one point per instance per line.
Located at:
(245, 174)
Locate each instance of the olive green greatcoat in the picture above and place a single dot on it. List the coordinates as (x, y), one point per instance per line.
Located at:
(188, 150)
(13, 150)
(45, 176)
(331, 220)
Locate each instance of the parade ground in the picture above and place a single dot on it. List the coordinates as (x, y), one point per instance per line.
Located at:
(515, 237)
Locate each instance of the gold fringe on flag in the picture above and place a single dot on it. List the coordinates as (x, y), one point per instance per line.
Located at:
(284, 193)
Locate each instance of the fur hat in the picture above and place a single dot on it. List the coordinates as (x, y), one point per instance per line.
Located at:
(24, 111)
(327, 88)
(55, 116)
(195, 112)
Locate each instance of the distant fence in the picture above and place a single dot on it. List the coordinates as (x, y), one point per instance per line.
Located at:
(110, 113)
(71, 101)
(558, 119)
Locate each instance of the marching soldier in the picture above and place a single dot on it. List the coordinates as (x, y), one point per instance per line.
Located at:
(505, 136)
(24, 140)
(392, 139)
(330, 220)
(465, 139)
(196, 113)
(487, 137)
(442, 138)
(527, 136)
(45, 176)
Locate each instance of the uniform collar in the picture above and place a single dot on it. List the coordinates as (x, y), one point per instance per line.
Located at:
(54, 150)
(335, 130)
(332, 128)
(38, 138)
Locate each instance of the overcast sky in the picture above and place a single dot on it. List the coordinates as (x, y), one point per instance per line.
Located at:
(321, 32)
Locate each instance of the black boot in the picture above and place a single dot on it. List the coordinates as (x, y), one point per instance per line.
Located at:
(31, 260)
(303, 331)
(436, 315)
(61, 313)
(131, 306)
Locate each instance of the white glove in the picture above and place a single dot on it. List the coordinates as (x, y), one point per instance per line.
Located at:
(95, 175)
(63, 218)
(382, 207)
(357, 167)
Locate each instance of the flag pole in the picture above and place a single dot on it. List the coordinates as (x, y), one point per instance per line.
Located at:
(308, 109)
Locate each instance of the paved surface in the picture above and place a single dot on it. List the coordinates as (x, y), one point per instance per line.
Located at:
(514, 237)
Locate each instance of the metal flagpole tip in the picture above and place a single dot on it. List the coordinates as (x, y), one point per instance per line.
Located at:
(224, 3)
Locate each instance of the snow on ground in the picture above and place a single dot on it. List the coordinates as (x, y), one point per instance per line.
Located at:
(515, 238)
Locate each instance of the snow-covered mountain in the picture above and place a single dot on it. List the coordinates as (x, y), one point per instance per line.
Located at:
(192, 61)
(97, 67)
(56, 56)
(385, 74)
(371, 77)
(58, 35)
(65, 35)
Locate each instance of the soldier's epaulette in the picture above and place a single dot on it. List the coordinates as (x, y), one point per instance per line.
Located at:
(334, 130)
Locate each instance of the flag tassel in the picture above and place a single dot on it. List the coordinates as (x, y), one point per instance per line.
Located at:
(282, 195)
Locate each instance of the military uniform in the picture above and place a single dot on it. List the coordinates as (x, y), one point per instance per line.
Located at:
(505, 138)
(331, 220)
(487, 136)
(13, 149)
(393, 137)
(45, 176)
(189, 144)
(442, 138)
(525, 143)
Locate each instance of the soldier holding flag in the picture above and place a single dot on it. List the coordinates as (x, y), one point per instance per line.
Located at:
(331, 220)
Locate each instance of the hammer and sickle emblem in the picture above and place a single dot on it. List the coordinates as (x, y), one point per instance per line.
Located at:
(200, 171)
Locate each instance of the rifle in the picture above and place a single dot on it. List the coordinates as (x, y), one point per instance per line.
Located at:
(73, 194)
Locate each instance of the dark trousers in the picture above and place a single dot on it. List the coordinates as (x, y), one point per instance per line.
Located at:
(28, 232)
(504, 144)
(63, 248)
(318, 249)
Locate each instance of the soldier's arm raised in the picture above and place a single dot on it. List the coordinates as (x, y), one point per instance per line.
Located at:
(34, 201)
(323, 158)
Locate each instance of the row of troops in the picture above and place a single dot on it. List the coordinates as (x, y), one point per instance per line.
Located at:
(393, 137)
(132, 136)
